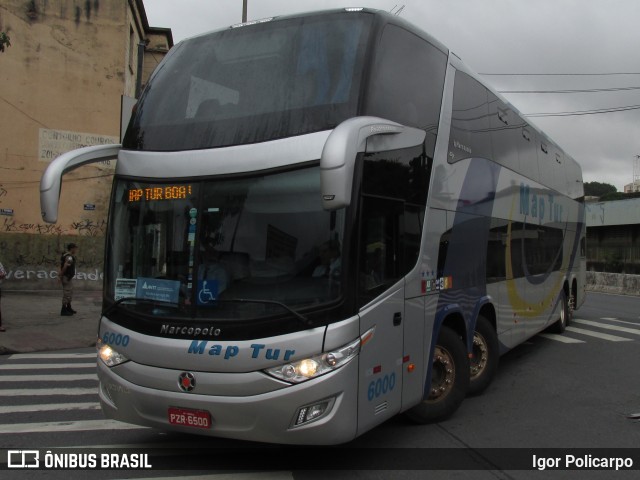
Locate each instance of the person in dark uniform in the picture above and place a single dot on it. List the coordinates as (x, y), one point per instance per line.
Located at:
(67, 272)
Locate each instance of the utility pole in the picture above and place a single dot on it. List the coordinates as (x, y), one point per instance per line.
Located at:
(244, 11)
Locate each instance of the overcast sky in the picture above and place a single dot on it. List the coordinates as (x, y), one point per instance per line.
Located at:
(577, 37)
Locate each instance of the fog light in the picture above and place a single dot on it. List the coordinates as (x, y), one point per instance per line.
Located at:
(310, 413)
(315, 411)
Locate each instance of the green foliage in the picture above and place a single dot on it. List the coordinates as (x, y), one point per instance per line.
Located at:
(618, 196)
(4, 41)
(597, 189)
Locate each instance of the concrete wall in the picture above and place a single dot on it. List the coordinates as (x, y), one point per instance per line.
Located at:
(32, 261)
(613, 283)
(618, 212)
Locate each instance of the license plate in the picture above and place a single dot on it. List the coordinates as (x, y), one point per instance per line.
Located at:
(189, 418)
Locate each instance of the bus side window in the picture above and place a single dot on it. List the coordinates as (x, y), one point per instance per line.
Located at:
(394, 195)
(470, 135)
(381, 244)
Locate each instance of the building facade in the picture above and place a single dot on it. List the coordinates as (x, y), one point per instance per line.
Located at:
(63, 79)
(632, 187)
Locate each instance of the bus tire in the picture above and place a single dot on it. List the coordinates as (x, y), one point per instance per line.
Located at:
(565, 315)
(449, 380)
(484, 361)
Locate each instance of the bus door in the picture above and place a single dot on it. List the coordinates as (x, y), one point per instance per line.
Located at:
(382, 296)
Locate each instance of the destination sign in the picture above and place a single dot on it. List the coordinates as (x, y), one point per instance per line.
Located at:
(168, 192)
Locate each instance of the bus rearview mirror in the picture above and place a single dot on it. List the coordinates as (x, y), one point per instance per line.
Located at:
(353, 136)
(51, 181)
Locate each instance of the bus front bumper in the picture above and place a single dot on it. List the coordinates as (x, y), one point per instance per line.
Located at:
(272, 417)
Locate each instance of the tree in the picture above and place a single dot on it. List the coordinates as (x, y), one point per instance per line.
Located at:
(4, 41)
(597, 189)
(608, 197)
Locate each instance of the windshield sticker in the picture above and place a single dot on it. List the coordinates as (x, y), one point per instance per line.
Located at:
(125, 288)
(156, 289)
(207, 291)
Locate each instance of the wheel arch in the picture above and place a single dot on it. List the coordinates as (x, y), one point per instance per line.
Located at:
(455, 321)
(485, 308)
(574, 291)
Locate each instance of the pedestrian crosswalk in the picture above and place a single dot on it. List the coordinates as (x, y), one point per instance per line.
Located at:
(45, 394)
(607, 329)
(604, 336)
(64, 385)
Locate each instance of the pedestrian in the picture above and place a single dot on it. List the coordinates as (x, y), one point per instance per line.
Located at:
(3, 274)
(67, 272)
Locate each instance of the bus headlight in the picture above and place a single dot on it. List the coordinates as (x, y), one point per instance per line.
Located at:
(109, 355)
(315, 366)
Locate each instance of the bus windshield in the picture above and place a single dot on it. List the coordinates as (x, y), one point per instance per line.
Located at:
(253, 83)
(208, 247)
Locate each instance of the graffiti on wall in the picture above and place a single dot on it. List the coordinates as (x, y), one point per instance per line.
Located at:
(93, 275)
(88, 228)
(32, 261)
(39, 260)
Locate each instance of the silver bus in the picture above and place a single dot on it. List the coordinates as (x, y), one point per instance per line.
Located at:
(321, 221)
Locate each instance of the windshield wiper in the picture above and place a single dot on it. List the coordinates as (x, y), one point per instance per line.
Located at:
(298, 315)
(136, 300)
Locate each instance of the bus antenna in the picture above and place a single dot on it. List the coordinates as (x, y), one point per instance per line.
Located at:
(398, 11)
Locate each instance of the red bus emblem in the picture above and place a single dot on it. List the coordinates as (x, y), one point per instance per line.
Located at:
(186, 381)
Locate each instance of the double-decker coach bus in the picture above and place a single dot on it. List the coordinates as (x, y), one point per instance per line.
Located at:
(318, 222)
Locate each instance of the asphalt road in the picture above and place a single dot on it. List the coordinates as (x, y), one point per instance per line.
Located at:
(552, 396)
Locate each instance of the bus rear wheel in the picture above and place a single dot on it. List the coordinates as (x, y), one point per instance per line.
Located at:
(449, 379)
(485, 354)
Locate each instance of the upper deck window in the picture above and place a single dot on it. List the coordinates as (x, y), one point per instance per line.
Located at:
(407, 80)
(253, 84)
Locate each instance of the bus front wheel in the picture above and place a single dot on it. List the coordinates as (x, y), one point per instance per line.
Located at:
(449, 379)
(565, 315)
